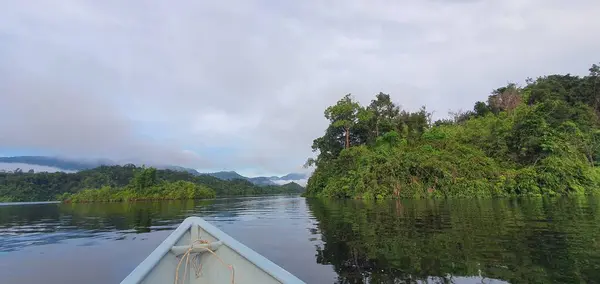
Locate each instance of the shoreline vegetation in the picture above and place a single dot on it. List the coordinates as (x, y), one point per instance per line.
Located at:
(179, 190)
(126, 183)
(542, 139)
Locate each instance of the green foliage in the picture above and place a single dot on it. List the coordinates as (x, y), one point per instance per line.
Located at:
(115, 183)
(163, 191)
(344, 115)
(381, 113)
(143, 179)
(541, 139)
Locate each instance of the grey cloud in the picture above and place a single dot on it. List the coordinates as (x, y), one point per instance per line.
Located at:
(255, 76)
(43, 115)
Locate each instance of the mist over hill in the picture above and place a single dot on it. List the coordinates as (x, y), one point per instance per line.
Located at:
(298, 178)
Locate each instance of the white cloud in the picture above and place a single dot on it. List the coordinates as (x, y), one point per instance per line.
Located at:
(147, 79)
(10, 167)
(301, 182)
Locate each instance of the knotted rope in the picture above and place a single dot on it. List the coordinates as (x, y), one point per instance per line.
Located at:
(196, 263)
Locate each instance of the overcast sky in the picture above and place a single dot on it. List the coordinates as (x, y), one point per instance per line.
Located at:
(242, 85)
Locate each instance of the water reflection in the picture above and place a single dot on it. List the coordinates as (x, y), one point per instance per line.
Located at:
(320, 241)
(518, 241)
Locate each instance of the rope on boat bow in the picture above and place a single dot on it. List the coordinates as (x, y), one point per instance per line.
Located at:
(197, 266)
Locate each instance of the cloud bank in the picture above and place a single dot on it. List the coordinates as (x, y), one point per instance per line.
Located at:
(243, 84)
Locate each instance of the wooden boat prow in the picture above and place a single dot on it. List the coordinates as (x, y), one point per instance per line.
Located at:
(247, 266)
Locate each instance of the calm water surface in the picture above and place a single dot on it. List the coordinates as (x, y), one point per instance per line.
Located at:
(320, 241)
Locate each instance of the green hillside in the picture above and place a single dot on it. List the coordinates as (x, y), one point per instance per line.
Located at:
(540, 139)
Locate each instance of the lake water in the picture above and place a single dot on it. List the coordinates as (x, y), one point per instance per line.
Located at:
(320, 241)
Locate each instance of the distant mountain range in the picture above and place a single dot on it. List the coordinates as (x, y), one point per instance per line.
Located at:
(50, 164)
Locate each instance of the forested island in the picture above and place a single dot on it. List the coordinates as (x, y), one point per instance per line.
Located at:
(125, 183)
(540, 139)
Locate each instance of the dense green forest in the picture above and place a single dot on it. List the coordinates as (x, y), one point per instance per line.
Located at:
(540, 139)
(143, 186)
(126, 182)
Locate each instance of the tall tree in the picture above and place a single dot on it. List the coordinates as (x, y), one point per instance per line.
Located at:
(412, 124)
(505, 98)
(330, 145)
(595, 78)
(144, 178)
(344, 114)
(481, 109)
(384, 112)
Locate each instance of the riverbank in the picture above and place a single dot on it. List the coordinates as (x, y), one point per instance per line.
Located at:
(28, 203)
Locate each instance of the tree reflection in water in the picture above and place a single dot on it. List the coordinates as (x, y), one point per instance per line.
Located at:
(460, 241)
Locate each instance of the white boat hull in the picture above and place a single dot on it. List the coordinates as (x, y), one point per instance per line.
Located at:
(247, 266)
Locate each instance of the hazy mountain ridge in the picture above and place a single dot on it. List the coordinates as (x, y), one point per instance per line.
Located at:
(53, 162)
(68, 164)
(50, 164)
(294, 176)
(298, 178)
(226, 175)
